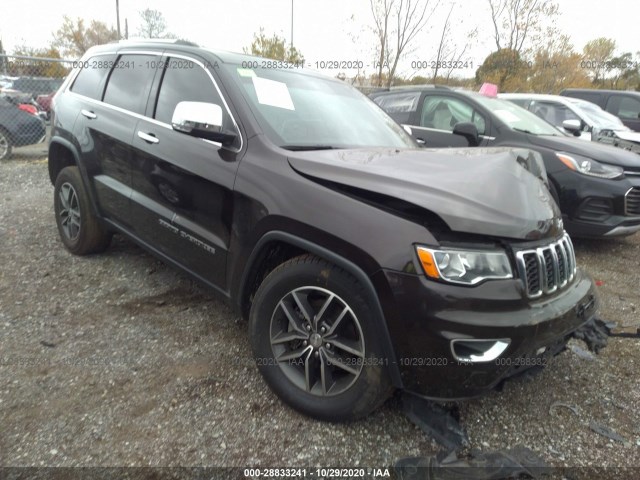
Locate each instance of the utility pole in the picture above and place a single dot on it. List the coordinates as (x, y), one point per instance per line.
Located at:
(292, 24)
(118, 17)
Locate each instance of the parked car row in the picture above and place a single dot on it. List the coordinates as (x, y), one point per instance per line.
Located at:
(596, 186)
(362, 262)
(18, 127)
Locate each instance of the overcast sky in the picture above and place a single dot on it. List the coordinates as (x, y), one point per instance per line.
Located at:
(322, 29)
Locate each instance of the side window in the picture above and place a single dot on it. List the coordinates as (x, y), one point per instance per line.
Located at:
(129, 83)
(442, 113)
(627, 107)
(400, 106)
(554, 113)
(184, 81)
(92, 73)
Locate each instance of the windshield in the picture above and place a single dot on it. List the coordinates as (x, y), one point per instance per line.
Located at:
(517, 118)
(301, 111)
(599, 118)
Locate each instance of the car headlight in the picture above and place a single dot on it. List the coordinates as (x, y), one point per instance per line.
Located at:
(466, 267)
(588, 166)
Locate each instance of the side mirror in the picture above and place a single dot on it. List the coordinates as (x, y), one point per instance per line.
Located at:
(469, 131)
(202, 120)
(572, 126)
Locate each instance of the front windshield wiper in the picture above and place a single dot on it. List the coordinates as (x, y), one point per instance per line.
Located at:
(523, 130)
(300, 148)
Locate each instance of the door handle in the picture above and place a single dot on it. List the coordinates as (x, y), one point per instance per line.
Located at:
(421, 141)
(89, 114)
(148, 137)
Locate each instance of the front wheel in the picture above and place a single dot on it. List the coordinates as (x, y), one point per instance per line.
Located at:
(80, 230)
(313, 340)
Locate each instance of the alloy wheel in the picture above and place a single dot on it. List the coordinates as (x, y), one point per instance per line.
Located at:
(317, 341)
(69, 211)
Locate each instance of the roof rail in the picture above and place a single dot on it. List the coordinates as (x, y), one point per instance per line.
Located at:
(423, 85)
(171, 41)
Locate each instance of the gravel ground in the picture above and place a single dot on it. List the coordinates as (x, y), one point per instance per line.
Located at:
(119, 360)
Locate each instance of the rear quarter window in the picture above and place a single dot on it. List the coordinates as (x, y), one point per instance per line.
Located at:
(93, 71)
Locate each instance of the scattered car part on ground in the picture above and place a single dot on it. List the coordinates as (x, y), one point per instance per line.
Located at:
(609, 433)
(596, 186)
(438, 422)
(499, 465)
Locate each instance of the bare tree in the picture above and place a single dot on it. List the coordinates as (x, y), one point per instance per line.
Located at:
(517, 25)
(381, 10)
(153, 24)
(517, 22)
(396, 25)
(450, 54)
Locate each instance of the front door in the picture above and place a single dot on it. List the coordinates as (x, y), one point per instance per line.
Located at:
(182, 185)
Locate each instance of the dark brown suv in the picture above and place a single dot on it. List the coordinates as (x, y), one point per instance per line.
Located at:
(362, 262)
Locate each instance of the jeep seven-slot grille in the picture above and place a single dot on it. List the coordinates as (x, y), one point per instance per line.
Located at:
(632, 201)
(546, 269)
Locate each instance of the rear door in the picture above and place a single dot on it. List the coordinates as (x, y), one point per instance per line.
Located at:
(115, 92)
(182, 197)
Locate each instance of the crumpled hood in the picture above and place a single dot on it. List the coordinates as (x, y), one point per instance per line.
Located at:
(628, 135)
(487, 191)
(595, 150)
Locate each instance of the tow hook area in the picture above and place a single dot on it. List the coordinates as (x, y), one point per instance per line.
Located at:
(583, 309)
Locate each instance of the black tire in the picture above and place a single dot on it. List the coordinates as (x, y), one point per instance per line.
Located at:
(80, 230)
(355, 382)
(5, 145)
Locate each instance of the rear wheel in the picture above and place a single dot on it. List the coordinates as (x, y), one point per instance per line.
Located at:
(313, 340)
(5, 145)
(80, 230)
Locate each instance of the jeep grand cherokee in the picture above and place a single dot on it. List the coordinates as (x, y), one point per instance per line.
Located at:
(362, 262)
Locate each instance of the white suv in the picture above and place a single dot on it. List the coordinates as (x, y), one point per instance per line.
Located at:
(578, 117)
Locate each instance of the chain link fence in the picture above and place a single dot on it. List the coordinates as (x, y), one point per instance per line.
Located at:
(27, 86)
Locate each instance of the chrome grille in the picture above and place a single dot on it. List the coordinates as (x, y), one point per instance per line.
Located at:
(546, 269)
(632, 201)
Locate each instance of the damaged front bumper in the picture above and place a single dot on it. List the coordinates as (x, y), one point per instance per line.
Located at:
(455, 342)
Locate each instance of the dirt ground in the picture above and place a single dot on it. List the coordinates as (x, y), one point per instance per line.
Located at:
(118, 360)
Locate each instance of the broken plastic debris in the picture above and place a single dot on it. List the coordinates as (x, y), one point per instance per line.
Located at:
(595, 333)
(607, 432)
(581, 352)
(556, 405)
(498, 465)
(435, 421)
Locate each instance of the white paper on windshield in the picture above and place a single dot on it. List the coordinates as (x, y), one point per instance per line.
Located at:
(272, 93)
(507, 116)
(246, 72)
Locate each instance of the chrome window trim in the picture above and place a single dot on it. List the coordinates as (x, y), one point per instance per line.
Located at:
(144, 117)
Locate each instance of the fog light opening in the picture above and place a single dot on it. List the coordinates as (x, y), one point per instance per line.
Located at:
(478, 350)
